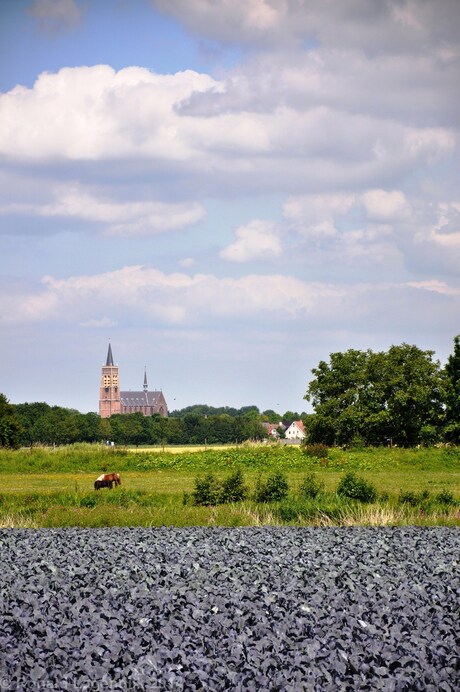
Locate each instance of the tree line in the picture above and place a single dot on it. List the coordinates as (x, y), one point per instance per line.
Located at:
(38, 423)
(401, 396)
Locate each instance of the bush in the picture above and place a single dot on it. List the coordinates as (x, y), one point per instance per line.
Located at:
(408, 498)
(207, 491)
(311, 487)
(356, 488)
(317, 451)
(445, 497)
(233, 488)
(88, 501)
(273, 489)
(414, 499)
(210, 491)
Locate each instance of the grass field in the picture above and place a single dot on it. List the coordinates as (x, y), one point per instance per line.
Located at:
(54, 487)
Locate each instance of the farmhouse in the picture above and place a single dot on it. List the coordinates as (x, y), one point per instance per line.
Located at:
(273, 429)
(112, 400)
(296, 431)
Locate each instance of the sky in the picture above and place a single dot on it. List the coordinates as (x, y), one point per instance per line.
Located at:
(226, 190)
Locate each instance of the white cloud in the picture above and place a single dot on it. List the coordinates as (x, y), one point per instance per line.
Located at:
(100, 116)
(118, 218)
(149, 296)
(256, 240)
(172, 298)
(446, 232)
(383, 205)
(315, 215)
(187, 262)
(436, 287)
(91, 113)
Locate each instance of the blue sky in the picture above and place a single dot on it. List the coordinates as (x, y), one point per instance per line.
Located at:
(228, 190)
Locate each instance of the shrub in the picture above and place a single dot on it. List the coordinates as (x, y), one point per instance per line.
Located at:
(356, 488)
(311, 487)
(210, 491)
(273, 489)
(88, 501)
(445, 497)
(408, 498)
(414, 499)
(317, 451)
(233, 488)
(207, 491)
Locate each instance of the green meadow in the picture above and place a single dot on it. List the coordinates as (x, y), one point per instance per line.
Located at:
(53, 487)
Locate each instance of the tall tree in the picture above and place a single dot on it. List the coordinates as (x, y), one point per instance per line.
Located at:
(452, 394)
(10, 425)
(376, 397)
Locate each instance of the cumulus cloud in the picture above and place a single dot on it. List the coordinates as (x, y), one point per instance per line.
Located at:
(316, 215)
(150, 296)
(173, 298)
(100, 116)
(383, 205)
(117, 218)
(256, 240)
(93, 113)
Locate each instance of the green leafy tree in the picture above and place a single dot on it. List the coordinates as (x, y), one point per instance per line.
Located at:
(11, 429)
(270, 416)
(28, 415)
(413, 393)
(452, 394)
(375, 397)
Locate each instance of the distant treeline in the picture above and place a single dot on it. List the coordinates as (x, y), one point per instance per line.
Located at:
(39, 423)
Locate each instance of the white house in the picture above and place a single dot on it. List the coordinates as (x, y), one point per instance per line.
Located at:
(296, 431)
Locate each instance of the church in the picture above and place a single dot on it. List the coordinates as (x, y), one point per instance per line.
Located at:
(112, 400)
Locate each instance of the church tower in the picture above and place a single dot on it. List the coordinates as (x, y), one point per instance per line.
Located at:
(109, 396)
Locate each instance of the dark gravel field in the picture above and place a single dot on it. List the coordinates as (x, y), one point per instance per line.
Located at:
(230, 609)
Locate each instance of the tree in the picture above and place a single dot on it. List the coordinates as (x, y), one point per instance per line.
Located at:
(28, 415)
(335, 396)
(11, 429)
(376, 397)
(452, 394)
(413, 393)
(270, 416)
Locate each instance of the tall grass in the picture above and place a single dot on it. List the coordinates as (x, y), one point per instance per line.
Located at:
(122, 507)
(97, 458)
(54, 487)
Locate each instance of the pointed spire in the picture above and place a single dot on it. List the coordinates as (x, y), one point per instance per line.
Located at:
(145, 379)
(109, 355)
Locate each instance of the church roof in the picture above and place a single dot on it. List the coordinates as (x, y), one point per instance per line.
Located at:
(109, 356)
(141, 398)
